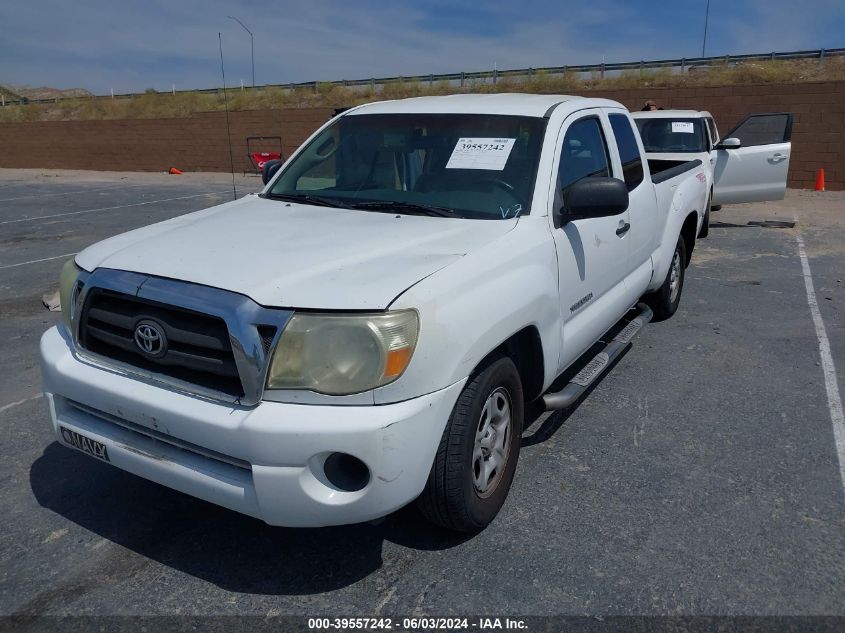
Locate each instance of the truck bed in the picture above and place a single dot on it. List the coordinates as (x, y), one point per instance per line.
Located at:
(663, 170)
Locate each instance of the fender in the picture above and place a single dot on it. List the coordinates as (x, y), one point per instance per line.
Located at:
(472, 306)
(688, 196)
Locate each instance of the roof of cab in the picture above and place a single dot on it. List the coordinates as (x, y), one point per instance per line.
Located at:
(668, 114)
(500, 103)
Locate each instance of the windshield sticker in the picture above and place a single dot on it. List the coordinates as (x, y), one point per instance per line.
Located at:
(682, 126)
(481, 153)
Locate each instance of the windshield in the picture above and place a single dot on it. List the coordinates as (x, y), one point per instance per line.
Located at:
(454, 165)
(672, 135)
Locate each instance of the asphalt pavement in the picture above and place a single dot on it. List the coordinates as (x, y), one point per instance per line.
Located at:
(700, 477)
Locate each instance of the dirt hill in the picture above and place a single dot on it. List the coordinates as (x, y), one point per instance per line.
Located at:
(44, 92)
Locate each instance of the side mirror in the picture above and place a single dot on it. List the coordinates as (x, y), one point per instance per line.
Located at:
(596, 197)
(729, 143)
(269, 170)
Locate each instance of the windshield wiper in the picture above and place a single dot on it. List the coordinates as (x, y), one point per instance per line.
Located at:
(307, 198)
(404, 207)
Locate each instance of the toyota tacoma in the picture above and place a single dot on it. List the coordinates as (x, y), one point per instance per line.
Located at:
(368, 329)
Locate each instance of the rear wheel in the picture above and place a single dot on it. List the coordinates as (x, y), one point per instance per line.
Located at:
(478, 452)
(665, 300)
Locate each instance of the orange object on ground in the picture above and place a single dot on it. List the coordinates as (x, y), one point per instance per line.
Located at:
(820, 180)
(175, 172)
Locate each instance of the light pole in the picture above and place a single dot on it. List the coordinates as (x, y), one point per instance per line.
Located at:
(706, 16)
(251, 44)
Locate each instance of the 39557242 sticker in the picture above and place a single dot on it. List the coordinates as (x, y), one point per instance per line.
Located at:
(481, 153)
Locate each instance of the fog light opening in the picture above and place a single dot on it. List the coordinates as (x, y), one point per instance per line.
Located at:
(346, 472)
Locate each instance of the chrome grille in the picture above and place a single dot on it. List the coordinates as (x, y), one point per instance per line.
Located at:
(218, 342)
(198, 349)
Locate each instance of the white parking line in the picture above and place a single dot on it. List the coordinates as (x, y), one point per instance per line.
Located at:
(69, 193)
(834, 402)
(14, 404)
(35, 261)
(120, 206)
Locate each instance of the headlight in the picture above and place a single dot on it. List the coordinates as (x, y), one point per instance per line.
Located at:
(67, 282)
(343, 354)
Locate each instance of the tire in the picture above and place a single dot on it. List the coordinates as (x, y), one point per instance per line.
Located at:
(716, 207)
(465, 491)
(705, 226)
(665, 300)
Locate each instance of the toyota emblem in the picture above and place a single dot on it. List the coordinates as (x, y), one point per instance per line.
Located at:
(150, 339)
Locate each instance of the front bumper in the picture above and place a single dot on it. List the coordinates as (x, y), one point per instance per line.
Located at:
(265, 461)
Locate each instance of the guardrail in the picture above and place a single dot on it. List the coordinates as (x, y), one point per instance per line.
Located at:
(683, 64)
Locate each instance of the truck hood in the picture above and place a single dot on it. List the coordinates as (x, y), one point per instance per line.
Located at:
(297, 256)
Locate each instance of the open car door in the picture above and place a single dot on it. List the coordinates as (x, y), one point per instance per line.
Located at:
(755, 170)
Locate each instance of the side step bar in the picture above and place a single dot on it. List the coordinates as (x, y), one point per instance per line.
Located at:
(567, 396)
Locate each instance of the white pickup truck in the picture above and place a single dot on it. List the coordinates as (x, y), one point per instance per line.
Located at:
(368, 329)
(750, 165)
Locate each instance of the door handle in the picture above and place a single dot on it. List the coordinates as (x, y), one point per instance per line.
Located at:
(623, 228)
(776, 158)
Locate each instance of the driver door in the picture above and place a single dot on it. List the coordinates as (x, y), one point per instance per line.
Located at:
(592, 253)
(757, 170)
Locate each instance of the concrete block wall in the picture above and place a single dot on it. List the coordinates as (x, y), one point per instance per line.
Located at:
(199, 143)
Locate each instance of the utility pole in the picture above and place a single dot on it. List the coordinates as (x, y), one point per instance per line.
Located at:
(251, 44)
(706, 16)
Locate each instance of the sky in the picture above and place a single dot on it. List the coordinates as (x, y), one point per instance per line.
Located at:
(104, 45)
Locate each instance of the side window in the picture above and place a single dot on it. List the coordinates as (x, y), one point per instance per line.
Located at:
(763, 129)
(584, 153)
(629, 153)
(714, 133)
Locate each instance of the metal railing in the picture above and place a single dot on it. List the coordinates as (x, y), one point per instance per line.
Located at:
(462, 79)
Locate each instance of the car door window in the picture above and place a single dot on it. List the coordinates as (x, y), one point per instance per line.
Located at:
(764, 129)
(714, 133)
(629, 152)
(584, 153)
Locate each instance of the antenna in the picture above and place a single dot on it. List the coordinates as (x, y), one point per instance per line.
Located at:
(228, 129)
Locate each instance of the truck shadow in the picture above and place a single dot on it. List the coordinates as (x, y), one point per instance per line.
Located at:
(230, 550)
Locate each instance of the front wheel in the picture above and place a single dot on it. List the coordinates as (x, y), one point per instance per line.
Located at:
(665, 300)
(478, 452)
